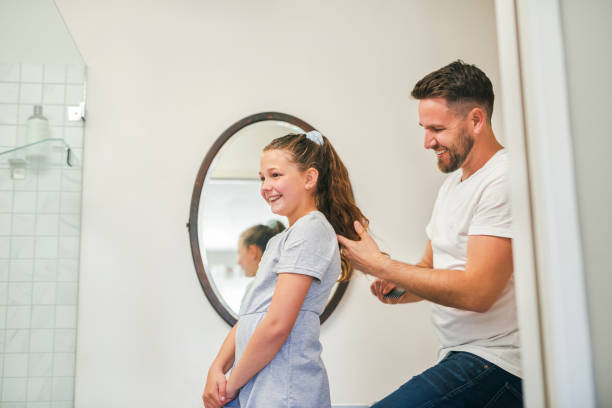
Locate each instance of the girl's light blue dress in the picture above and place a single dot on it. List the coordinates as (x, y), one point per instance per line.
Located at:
(296, 376)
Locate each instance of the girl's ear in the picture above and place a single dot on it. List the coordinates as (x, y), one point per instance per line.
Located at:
(252, 250)
(258, 253)
(312, 175)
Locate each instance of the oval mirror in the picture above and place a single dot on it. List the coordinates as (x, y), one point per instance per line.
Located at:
(226, 202)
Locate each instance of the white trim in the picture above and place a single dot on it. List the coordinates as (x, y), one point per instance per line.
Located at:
(567, 347)
(534, 393)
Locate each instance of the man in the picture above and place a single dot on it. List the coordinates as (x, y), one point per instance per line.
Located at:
(466, 270)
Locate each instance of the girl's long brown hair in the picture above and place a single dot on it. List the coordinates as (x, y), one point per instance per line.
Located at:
(260, 234)
(334, 193)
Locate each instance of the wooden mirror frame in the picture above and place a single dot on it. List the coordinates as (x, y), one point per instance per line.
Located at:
(198, 192)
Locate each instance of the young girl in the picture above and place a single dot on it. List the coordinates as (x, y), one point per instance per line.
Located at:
(275, 343)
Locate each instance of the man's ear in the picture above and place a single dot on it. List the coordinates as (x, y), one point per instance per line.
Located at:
(477, 119)
(312, 175)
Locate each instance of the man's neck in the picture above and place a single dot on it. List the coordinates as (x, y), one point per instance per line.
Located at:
(481, 152)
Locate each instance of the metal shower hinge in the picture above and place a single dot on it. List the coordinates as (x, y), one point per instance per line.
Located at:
(76, 113)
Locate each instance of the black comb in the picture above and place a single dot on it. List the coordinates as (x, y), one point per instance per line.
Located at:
(395, 293)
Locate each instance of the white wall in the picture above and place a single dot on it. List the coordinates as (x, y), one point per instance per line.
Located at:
(165, 79)
(586, 33)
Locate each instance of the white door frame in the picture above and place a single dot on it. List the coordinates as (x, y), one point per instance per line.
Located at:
(551, 296)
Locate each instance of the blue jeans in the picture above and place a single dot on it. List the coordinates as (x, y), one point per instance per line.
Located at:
(459, 380)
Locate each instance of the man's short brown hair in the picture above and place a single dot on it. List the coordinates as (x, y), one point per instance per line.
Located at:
(461, 85)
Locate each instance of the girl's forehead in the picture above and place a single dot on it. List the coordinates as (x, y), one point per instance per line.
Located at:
(276, 157)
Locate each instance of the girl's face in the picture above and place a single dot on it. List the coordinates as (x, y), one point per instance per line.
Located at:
(287, 189)
(248, 259)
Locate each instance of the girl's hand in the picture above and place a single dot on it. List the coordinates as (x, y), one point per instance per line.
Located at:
(231, 392)
(214, 389)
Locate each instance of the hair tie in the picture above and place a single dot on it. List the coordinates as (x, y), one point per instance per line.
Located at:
(315, 136)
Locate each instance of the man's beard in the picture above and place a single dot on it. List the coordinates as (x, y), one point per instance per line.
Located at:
(457, 153)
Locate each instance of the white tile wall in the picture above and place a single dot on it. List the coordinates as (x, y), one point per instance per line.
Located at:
(4, 269)
(21, 270)
(65, 317)
(14, 405)
(22, 247)
(63, 388)
(23, 224)
(70, 224)
(63, 364)
(8, 114)
(69, 247)
(9, 93)
(39, 389)
(50, 180)
(26, 184)
(66, 293)
(70, 202)
(47, 224)
(4, 293)
(9, 72)
(65, 340)
(40, 364)
(19, 293)
(55, 94)
(44, 293)
(6, 200)
(31, 73)
(24, 202)
(17, 341)
(41, 340)
(45, 270)
(5, 247)
(18, 317)
(68, 270)
(5, 223)
(16, 365)
(61, 404)
(8, 135)
(40, 405)
(14, 389)
(43, 317)
(74, 94)
(55, 74)
(39, 243)
(46, 247)
(31, 94)
(75, 74)
(48, 202)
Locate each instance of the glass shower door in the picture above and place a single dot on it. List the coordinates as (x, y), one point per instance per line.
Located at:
(41, 143)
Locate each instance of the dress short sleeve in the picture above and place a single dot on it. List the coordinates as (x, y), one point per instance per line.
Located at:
(308, 248)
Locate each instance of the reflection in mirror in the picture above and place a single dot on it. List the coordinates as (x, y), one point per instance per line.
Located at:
(226, 202)
(232, 204)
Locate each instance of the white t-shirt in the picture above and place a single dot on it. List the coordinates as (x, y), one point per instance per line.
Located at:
(479, 205)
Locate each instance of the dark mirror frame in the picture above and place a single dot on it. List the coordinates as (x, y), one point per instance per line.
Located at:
(198, 193)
